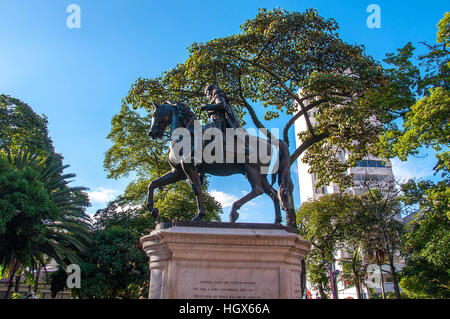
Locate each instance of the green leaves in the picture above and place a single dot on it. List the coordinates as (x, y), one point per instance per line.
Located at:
(20, 126)
(114, 266)
(443, 33)
(427, 241)
(347, 229)
(422, 100)
(325, 224)
(41, 214)
(427, 124)
(132, 148)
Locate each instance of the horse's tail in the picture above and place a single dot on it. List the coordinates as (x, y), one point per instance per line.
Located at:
(285, 185)
(282, 167)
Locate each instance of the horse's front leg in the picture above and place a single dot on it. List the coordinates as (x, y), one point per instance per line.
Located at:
(194, 178)
(168, 178)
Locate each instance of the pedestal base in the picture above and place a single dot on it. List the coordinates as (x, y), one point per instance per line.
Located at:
(223, 260)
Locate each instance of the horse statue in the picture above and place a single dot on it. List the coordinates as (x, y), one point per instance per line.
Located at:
(178, 116)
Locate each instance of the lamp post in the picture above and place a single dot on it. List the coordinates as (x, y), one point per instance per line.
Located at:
(333, 273)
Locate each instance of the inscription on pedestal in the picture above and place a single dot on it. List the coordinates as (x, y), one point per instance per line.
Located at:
(226, 289)
(226, 283)
(188, 262)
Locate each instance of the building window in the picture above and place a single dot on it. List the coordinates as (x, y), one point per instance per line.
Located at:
(370, 178)
(323, 190)
(370, 163)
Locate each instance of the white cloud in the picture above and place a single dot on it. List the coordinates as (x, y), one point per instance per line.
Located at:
(225, 199)
(413, 168)
(127, 207)
(102, 195)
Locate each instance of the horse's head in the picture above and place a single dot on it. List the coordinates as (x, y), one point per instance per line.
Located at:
(162, 116)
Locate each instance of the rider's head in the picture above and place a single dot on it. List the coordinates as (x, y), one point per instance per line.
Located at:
(210, 89)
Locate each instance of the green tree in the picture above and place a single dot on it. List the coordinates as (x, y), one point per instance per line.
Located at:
(115, 266)
(323, 223)
(354, 259)
(353, 267)
(40, 214)
(425, 125)
(20, 126)
(425, 117)
(426, 274)
(119, 214)
(379, 210)
(291, 63)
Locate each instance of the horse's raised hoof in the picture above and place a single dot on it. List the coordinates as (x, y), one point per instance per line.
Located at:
(234, 217)
(198, 217)
(155, 213)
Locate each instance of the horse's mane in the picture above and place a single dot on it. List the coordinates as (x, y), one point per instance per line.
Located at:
(185, 112)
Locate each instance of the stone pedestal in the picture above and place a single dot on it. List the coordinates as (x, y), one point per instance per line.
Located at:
(223, 260)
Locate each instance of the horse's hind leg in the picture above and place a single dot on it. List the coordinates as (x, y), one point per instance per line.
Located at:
(269, 190)
(254, 177)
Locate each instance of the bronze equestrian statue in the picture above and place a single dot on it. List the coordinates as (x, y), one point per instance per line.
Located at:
(221, 113)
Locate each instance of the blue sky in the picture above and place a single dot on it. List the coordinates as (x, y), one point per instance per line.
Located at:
(77, 77)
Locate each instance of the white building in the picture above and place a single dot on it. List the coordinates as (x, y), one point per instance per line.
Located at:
(372, 169)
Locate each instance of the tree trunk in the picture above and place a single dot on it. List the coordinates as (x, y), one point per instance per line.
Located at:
(382, 282)
(17, 284)
(36, 279)
(394, 277)
(389, 253)
(357, 287)
(322, 292)
(364, 289)
(334, 280)
(356, 274)
(14, 268)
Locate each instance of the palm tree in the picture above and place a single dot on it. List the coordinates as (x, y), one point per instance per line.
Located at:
(56, 227)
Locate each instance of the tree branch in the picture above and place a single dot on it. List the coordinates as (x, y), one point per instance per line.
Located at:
(310, 141)
(298, 115)
(283, 85)
(252, 113)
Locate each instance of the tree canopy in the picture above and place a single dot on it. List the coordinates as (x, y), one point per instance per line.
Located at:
(425, 124)
(42, 216)
(290, 63)
(22, 127)
(425, 120)
(427, 240)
